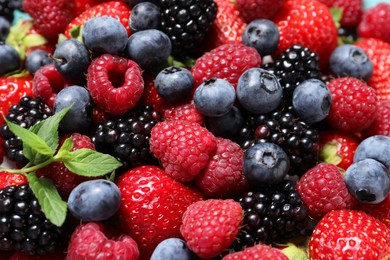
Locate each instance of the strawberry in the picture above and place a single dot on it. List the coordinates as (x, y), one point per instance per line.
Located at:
(259, 9)
(380, 211)
(184, 148)
(381, 124)
(210, 226)
(186, 111)
(322, 189)
(308, 23)
(349, 234)
(354, 104)
(152, 207)
(253, 252)
(352, 11)
(82, 5)
(9, 179)
(379, 53)
(375, 22)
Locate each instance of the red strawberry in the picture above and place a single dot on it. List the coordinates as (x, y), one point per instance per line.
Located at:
(375, 23)
(349, 234)
(186, 111)
(322, 189)
(381, 124)
(152, 207)
(115, 83)
(93, 240)
(82, 5)
(223, 176)
(338, 148)
(379, 53)
(184, 148)
(9, 179)
(352, 11)
(210, 226)
(308, 23)
(253, 252)
(354, 104)
(380, 211)
(259, 9)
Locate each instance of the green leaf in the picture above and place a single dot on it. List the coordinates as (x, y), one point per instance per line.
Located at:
(64, 151)
(90, 163)
(337, 14)
(49, 199)
(76, 34)
(33, 40)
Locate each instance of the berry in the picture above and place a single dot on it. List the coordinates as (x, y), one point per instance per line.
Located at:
(37, 59)
(144, 15)
(374, 147)
(172, 248)
(8, 7)
(380, 211)
(183, 148)
(186, 111)
(351, 11)
(265, 251)
(115, 83)
(5, 26)
(11, 179)
(381, 125)
(226, 126)
(9, 59)
(259, 9)
(203, 230)
(374, 22)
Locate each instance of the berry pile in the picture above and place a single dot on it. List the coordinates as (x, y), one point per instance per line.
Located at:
(198, 129)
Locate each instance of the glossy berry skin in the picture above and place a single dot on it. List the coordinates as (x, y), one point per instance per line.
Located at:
(104, 34)
(148, 48)
(266, 252)
(263, 35)
(368, 181)
(4, 28)
(375, 147)
(79, 117)
(350, 60)
(226, 126)
(259, 91)
(94, 200)
(9, 59)
(11, 179)
(144, 15)
(174, 83)
(374, 23)
(312, 100)
(265, 163)
(37, 59)
(214, 97)
(172, 248)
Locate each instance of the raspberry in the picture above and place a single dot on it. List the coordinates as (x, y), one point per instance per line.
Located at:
(184, 148)
(265, 251)
(185, 111)
(381, 124)
(115, 83)
(210, 226)
(93, 241)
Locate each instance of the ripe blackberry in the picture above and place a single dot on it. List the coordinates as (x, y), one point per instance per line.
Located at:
(127, 137)
(7, 8)
(186, 23)
(26, 113)
(23, 226)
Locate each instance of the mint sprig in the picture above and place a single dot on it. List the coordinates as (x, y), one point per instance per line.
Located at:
(40, 146)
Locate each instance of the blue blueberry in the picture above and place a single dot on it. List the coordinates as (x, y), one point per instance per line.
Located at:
(94, 200)
(174, 83)
(104, 34)
(214, 97)
(5, 26)
(368, 181)
(265, 163)
(226, 126)
(148, 48)
(350, 60)
(144, 15)
(376, 147)
(37, 59)
(79, 117)
(259, 91)
(133, 3)
(263, 35)
(311, 100)
(172, 249)
(9, 59)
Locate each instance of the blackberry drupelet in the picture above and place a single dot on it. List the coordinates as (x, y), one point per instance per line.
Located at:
(26, 113)
(7, 8)
(23, 226)
(127, 137)
(186, 23)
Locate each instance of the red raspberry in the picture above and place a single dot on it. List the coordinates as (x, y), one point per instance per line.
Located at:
(354, 104)
(93, 241)
(322, 189)
(184, 148)
(375, 23)
(115, 83)
(253, 252)
(9, 179)
(352, 11)
(227, 62)
(186, 111)
(223, 176)
(381, 124)
(210, 226)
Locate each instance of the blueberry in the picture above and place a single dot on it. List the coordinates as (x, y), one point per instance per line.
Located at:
(133, 3)
(265, 163)
(259, 91)
(263, 35)
(174, 83)
(226, 126)
(148, 48)
(376, 147)
(144, 15)
(37, 59)
(9, 59)
(4, 28)
(350, 60)
(79, 117)
(368, 181)
(94, 200)
(104, 34)
(172, 249)
(311, 100)
(214, 97)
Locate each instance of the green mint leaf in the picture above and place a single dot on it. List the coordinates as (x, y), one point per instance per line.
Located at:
(337, 14)
(90, 163)
(64, 151)
(49, 199)
(29, 153)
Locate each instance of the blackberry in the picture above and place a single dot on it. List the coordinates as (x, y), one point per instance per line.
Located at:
(7, 8)
(26, 113)
(127, 137)
(186, 23)
(23, 225)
